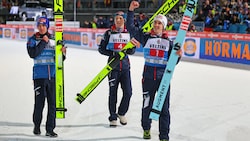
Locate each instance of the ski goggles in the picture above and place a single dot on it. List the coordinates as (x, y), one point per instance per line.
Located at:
(120, 13)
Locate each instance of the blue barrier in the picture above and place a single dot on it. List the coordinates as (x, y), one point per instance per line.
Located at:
(232, 28)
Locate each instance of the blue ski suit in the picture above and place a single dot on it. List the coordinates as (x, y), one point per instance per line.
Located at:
(156, 53)
(43, 54)
(121, 74)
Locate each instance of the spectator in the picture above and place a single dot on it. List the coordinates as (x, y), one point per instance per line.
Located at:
(241, 15)
(247, 21)
(170, 25)
(110, 22)
(206, 8)
(14, 9)
(86, 24)
(79, 4)
(192, 28)
(209, 20)
(245, 7)
(14, 12)
(94, 23)
(182, 7)
(101, 22)
(200, 16)
(234, 19)
(142, 19)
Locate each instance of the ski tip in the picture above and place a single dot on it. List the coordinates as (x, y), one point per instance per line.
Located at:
(154, 116)
(79, 98)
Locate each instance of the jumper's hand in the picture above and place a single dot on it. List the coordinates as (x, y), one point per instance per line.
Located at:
(135, 42)
(179, 52)
(46, 38)
(133, 5)
(64, 50)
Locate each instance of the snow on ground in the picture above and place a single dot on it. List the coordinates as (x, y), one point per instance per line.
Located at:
(208, 103)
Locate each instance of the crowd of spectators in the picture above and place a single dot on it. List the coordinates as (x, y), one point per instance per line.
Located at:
(225, 16)
(217, 15)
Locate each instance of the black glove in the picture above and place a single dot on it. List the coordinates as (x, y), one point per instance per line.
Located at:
(177, 46)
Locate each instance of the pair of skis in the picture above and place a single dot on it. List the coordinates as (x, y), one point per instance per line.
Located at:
(168, 73)
(164, 9)
(58, 18)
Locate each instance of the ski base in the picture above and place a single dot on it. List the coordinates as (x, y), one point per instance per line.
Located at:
(59, 66)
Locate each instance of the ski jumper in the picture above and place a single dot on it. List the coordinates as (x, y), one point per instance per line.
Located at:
(43, 55)
(156, 51)
(114, 40)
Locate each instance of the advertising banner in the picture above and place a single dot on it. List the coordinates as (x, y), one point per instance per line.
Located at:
(72, 37)
(225, 47)
(23, 34)
(191, 47)
(98, 38)
(8, 33)
(30, 32)
(235, 51)
(1, 32)
(86, 40)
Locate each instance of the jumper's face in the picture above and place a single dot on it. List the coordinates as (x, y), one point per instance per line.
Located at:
(42, 28)
(158, 27)
(119, 21)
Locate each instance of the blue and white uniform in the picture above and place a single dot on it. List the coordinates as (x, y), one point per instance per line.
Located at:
(43, 54)
(44, 57)
(156, 50)
(113, 41)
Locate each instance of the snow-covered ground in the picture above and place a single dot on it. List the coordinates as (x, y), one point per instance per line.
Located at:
(208, 103)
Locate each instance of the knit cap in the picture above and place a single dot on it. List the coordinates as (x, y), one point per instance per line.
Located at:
(162, 19)
(44, 21)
